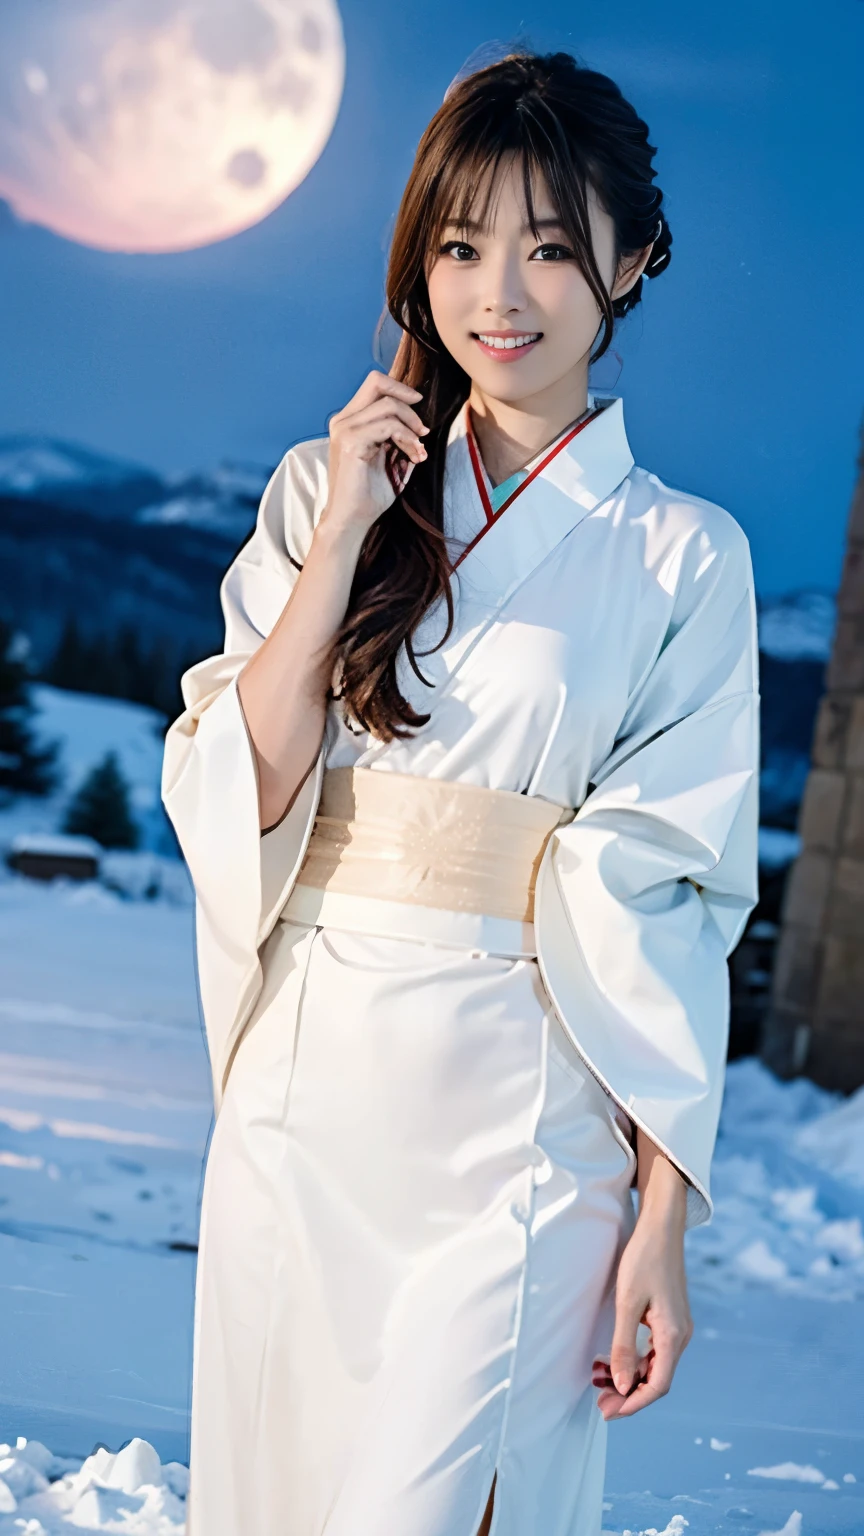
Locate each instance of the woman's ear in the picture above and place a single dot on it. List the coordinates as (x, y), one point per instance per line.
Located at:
(629, 271)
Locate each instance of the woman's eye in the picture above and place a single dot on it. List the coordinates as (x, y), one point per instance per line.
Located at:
(552, 253)
(459, 250)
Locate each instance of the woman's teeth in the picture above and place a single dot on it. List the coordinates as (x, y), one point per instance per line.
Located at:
(508, 342)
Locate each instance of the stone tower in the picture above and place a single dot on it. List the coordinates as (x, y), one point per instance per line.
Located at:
(816, 1021)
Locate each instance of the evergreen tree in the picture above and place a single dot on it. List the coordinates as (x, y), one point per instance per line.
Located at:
(25, 768)
(100, 808)
(118, 665)
(68, 666)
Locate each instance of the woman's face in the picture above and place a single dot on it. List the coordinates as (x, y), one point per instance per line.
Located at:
(516, 314)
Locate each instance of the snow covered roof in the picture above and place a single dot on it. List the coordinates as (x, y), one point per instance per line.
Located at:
(56, 844)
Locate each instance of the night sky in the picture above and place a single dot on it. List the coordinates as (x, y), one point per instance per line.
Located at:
(742, 374)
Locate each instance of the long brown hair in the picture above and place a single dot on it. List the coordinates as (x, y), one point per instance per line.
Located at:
(571, 127)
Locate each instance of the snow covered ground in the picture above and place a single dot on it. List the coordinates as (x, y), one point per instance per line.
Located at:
(763, 1430)
(105, 1112)
(87, 726)
(104, 1118)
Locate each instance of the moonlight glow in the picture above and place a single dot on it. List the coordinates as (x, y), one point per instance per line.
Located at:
(160, 125)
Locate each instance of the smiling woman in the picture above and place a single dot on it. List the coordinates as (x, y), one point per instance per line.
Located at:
(469, 802)
(136, 127)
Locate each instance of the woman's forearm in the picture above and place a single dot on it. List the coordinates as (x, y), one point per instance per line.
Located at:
(283, 686)
(662, 1190)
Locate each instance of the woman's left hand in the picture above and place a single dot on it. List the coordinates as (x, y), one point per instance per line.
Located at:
(652, 1289)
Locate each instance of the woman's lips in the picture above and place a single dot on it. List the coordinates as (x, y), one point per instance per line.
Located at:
(508, 354)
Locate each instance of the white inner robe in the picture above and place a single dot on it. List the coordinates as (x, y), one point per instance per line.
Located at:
(415, 1200)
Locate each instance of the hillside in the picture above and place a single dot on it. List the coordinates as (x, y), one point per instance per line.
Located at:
(115, 546)
(111, 544)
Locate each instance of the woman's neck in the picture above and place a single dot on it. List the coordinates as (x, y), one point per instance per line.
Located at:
(509, 435)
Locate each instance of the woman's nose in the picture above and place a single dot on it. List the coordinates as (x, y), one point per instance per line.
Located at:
(506, 290)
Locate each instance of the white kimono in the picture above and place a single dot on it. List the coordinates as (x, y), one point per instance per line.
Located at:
(419, 1180)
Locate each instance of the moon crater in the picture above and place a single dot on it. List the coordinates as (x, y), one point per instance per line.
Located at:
(233, 37)
(248, 168)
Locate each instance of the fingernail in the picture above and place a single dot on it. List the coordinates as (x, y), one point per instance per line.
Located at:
(424, 430)
(622, 1383)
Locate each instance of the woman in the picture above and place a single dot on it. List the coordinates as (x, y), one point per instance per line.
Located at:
(470, 805)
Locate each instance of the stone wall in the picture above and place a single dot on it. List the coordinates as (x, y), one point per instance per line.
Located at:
(816, 1021)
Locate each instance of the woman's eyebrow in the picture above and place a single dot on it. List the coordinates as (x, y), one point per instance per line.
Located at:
(472, 227)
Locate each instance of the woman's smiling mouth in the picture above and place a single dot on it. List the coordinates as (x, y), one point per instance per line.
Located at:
(506, 346)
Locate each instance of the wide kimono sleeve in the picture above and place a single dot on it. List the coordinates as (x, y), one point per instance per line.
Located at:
(209, 773)
(643, 895)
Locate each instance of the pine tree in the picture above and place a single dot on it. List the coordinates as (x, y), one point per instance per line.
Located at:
(25, 768)
(68, 666)
(100, 808)
(118, 665)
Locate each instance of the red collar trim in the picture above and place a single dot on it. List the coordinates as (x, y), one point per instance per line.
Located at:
(491, 515)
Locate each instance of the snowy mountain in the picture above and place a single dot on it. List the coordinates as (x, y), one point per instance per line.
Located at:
(48, 471)
(224, 502)
(43, 469)
(109, 544)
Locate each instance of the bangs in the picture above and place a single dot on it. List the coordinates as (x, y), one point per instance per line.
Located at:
(469, 193)
(478, 155)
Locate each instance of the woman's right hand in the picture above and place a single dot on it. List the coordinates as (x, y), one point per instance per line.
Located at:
(380, 413)
(284, 685)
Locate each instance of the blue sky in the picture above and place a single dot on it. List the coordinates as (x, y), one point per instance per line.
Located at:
(742, 374)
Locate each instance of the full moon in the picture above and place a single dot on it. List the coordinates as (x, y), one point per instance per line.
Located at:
(162, 125)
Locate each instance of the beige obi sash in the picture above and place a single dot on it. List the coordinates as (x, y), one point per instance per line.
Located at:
(405, 855)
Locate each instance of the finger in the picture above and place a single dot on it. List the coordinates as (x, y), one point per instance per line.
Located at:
(408, 441)
(609, 1404)
(397, 387)
(660, 1371)
(367, 439)
(642, 1397)
(378, 429)
(377, 384)
(601, 1375)
(411, 450)
(610, 1400)
(409, 446)
(375, 387)
(623, 1357)
(387, 406)
(403, 471)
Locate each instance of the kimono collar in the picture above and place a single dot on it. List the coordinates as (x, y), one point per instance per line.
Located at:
(571, 483)
(591, 465)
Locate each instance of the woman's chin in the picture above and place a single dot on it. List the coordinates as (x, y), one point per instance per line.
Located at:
(509, 384)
